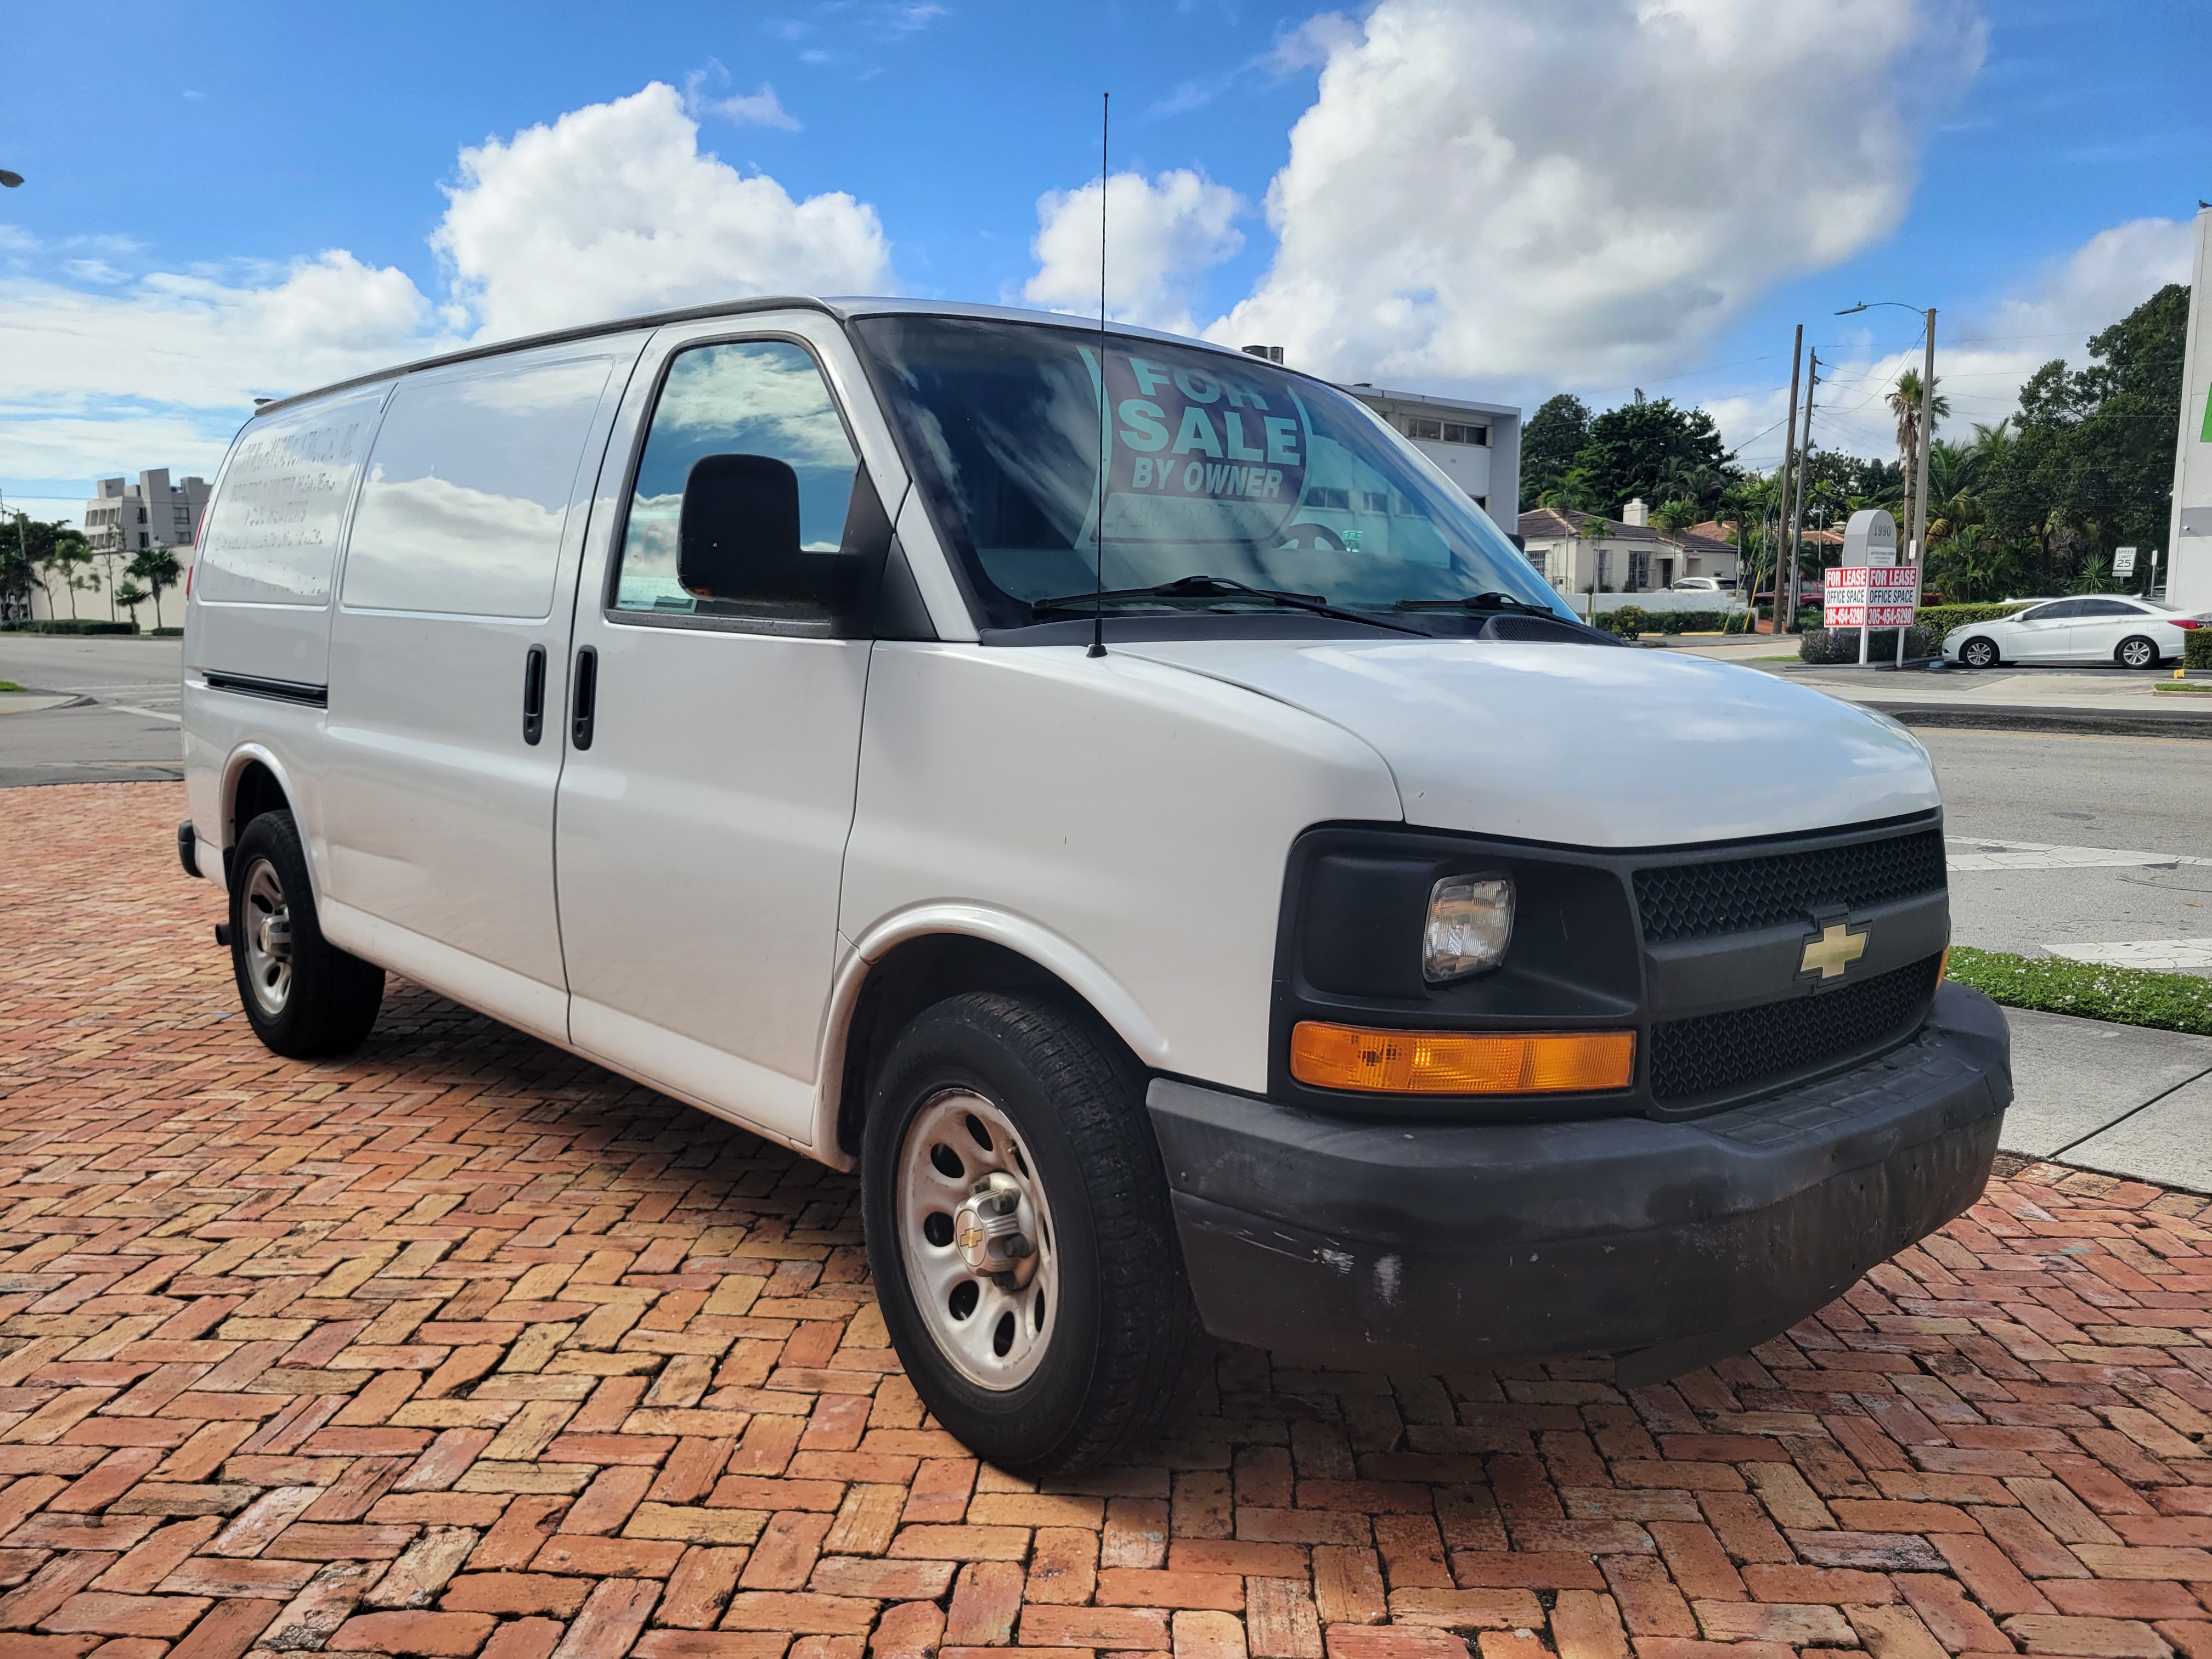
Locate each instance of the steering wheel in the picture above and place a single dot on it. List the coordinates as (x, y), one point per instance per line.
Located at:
(1322, 539)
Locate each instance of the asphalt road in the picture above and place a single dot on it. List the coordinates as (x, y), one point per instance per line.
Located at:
(2086, 800)
(108, 713)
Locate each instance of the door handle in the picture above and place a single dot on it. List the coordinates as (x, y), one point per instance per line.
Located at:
(533, 694)
(587, 689)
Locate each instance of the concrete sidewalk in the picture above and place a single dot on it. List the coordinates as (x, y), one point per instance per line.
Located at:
(2122, 1099)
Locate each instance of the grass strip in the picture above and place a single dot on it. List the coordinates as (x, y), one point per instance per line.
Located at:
(2058, 985)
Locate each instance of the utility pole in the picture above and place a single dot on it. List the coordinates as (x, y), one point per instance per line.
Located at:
(1804, 471)
(1927, 441)
(1782, 502)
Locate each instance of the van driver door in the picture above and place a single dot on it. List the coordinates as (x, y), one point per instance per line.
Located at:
(715, 728)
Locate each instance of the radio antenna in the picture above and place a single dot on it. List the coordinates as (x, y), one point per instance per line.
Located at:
(1098, 532)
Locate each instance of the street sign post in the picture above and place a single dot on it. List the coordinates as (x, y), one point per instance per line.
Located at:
(2124, 562)
(1870, 589)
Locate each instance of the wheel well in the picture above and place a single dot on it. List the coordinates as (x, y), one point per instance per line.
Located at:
(256, 791)
(913, 976)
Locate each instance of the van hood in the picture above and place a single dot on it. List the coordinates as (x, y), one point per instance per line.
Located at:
(1586, 745)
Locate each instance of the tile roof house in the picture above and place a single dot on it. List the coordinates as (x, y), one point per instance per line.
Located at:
(1628, 555)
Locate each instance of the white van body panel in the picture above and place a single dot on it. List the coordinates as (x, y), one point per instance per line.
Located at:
(461, 558)
(1587, 747)
(699, 837)
(1081, 800)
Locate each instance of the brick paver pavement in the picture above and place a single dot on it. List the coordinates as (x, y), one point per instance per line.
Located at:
(462, 1345)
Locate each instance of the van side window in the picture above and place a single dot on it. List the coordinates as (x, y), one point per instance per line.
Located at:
(468, 489)
(763, 398)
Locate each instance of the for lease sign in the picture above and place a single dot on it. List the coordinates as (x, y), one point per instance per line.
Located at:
(1870, 596)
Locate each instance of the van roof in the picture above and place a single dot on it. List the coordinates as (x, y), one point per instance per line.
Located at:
(843, 309)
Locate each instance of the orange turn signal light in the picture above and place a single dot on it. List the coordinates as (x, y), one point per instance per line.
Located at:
(1325, 1056)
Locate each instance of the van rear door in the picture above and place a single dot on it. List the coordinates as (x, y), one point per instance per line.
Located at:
(455, 606)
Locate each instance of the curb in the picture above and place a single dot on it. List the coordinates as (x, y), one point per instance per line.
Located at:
(2087, 722)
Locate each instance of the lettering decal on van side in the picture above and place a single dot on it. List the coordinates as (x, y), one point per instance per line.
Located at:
(272, 536)
(1198, 455)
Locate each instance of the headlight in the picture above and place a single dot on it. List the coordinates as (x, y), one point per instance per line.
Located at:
(1470, 924)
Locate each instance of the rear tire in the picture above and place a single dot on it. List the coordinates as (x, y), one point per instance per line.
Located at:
(2137, 652)
(304, 997)
(1047, 1323)
(1979, 652)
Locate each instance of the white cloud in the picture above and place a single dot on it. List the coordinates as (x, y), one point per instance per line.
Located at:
(613, 209)
(746, 109)
(1586, 190)
(1162, 233)
(610, 210)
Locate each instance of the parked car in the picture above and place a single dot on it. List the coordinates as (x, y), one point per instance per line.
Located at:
(1224, 893)
(2100, 629)
(1697, 584)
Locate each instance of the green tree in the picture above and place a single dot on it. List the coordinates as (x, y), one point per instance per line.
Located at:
(157, 568)
(1681, 513)
(58, 558)
(1554, 435)
(1635, 449)
(2087, 464)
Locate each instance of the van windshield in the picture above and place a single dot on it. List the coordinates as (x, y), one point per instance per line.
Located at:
(1215, 466)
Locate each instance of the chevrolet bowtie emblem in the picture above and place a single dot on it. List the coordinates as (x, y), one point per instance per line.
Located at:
(1833, 950)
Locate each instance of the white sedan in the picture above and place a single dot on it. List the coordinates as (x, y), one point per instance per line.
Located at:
(2101, 628)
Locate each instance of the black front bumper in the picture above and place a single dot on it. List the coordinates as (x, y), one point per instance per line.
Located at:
(1422, 1247)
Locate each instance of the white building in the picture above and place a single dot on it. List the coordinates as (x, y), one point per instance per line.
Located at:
(122, 521)
(1477, 445)
(1579, 552)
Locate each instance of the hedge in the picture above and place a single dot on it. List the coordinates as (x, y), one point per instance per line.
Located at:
(2058, 984)
(1841, 645)
(2196, 648)
(1630, 621)
(1945, 618)
(69, 625)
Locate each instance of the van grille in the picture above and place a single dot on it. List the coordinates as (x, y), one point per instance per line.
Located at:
(1712, 1052)
(1697, 901)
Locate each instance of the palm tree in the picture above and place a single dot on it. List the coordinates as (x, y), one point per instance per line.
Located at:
(1904, 404)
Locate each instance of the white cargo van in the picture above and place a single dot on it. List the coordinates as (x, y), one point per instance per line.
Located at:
(1359, 958)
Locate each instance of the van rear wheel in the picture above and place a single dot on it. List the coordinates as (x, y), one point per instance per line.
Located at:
(1020, 1237)
(304, 997)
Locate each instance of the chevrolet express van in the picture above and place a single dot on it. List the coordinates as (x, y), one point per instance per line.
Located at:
(1119, 797)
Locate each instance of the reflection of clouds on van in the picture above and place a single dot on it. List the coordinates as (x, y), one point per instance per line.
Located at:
(429, 544)
(756, 398)
(468, 491)
(744, 398)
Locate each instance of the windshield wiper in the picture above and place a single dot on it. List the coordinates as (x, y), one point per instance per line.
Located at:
(1478, 602)
(1211, 587)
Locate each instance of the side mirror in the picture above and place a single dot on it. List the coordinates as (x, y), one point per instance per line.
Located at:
(736, 537)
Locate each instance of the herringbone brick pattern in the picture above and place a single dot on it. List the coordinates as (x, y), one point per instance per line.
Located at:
(463, 1346)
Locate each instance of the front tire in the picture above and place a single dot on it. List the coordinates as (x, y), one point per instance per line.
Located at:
(1020, 1236)
(2137, 652)
(1979, 652)
(304, 997)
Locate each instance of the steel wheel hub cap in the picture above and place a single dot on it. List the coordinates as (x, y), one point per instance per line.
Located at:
(265, 926)
(977, 1236)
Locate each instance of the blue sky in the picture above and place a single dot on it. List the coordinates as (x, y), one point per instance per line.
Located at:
(1500, 201)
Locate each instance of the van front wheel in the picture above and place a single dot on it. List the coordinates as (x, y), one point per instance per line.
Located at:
(1020, 1237)
(304, 997)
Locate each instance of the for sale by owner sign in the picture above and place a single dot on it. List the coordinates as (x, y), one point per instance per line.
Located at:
(1197, 455)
